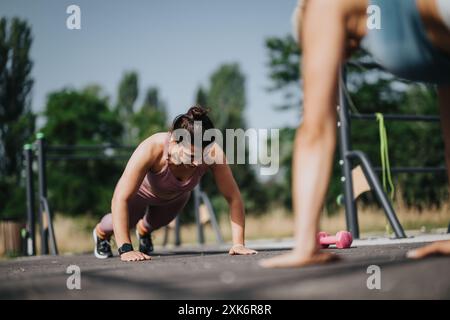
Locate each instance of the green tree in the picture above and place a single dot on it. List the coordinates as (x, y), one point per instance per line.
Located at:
(152, 117)
(284, 71)
(128, 92)
(81, 118)
(16, 118)
(226, 99)
(279, 186)
(201, 97)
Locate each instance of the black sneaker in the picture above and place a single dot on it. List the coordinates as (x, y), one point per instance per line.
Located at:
(102, 248)
(145, 243)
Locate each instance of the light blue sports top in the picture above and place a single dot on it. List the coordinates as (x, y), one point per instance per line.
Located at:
(402, 46)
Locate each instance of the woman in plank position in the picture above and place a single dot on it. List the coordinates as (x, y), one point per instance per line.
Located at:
(413, 43)
(156, 185)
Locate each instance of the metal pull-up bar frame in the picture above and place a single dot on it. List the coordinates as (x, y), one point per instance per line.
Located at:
(348, 155)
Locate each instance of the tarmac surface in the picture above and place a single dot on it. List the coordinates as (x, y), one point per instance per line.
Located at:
(210, 273)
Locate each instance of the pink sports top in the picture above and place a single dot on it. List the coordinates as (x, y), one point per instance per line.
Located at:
(163, 185)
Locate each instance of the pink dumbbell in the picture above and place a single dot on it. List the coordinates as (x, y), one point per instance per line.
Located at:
(342, 239)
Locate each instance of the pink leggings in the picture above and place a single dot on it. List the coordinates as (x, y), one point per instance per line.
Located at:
(154, 216)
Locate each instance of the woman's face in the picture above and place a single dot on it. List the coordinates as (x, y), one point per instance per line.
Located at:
(188, 155)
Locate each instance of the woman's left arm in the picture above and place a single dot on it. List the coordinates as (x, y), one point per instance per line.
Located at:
(229, 189)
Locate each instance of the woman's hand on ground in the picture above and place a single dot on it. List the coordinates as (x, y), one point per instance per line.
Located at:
(296, 259)
(134, 256)
(239, 249)
(436, 248)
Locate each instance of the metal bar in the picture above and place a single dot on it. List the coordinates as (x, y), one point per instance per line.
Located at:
(397, 117)
(200, 235)
(212, 215)
(40, 143)
(166, 236)
(177, 231)
(414, 169)
(375, 66)
(376, 187)
(51, 231)
(367, 65)
(31, 224)
(58, 148)
(351, 214)
(85, 158)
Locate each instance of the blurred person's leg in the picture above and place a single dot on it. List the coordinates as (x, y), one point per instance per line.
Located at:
(315, 140)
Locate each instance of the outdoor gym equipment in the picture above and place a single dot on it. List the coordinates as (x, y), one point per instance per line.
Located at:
(349, 157)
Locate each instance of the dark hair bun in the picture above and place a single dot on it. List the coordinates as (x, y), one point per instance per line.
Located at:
(187, 120)
(197, 112)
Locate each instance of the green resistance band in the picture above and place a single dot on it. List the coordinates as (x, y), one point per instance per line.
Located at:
(384, 153)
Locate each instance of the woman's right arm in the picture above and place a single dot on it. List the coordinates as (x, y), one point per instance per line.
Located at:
(140, 162)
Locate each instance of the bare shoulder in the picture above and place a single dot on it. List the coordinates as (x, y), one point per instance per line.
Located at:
(153, 146)
(156, 139)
